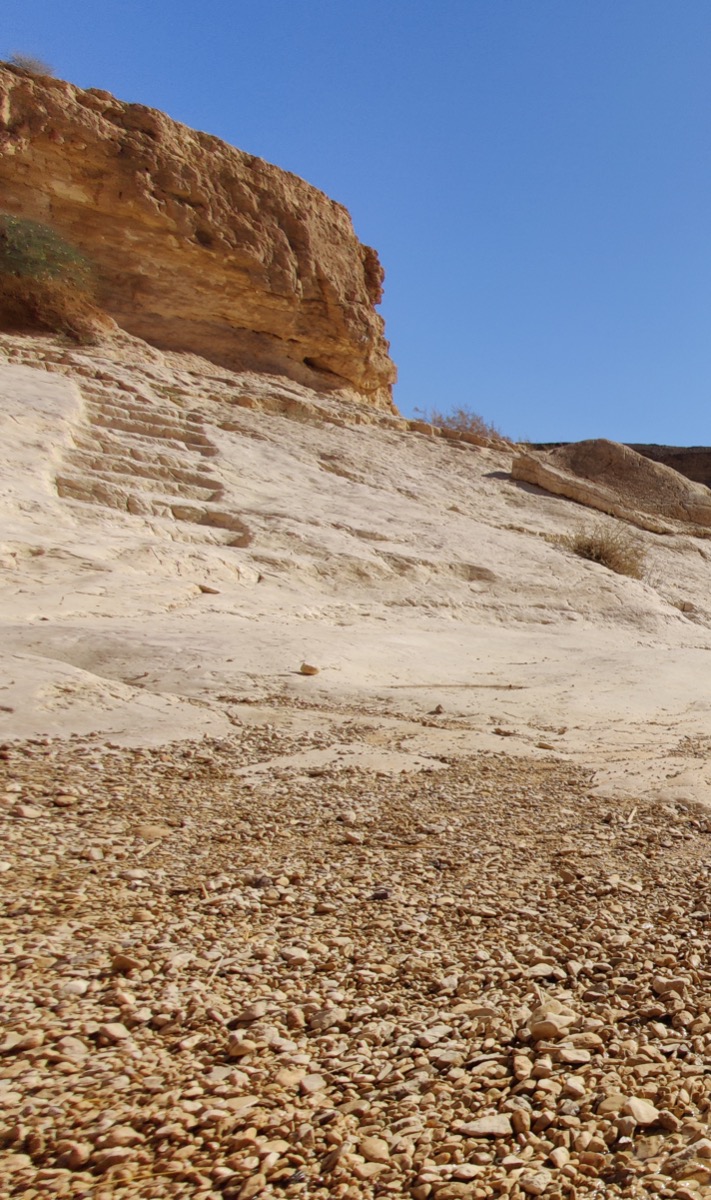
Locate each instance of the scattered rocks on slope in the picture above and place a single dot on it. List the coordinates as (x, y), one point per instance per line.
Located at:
(224, 1012)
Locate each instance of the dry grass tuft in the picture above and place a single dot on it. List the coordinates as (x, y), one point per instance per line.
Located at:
(462, 420)
(27, 64)
(611, 545)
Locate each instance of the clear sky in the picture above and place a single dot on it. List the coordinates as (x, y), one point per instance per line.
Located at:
(535, 175)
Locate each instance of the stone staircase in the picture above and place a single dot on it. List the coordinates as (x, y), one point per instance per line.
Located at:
(141, 453)
(146, 459)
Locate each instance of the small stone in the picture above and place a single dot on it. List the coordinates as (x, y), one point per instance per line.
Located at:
(662, 986)
(121, 963)
(240, 1104)
(150, 832)
(327, 1018)
(550, 1027)
(522, 1067)
(72, 1048)
(75, 987)
(467, 1172)
(436, 1033)
(521, 1121)
(308, 669)
(239, 1047)
(310, 1084)
(575, 1086)
(288, 1077)
(253, 1012)
(28, 812)
(643, 1112)
(252, 1187)
(536, 1183)
(374, 1149)
(497, 1125)
(570, 1056)
(367, 1170)
(122, 1135)
(104, 1160)
(294, 956)
(73, 1154)
(114, 1031)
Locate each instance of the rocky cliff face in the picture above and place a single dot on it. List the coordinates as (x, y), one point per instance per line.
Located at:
(199, 246)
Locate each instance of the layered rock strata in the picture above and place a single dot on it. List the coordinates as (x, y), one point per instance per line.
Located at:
(198, 246)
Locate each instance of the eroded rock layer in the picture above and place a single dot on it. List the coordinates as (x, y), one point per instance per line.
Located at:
(198, 245)
(615, 479)
(692, 461)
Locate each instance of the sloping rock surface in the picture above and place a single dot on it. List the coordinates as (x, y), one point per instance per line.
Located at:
(692, 461)
(199, 246)
(615, 479)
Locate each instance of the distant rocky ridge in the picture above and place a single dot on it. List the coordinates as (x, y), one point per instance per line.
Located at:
(692, 461)
(616, 480)
(199, 246)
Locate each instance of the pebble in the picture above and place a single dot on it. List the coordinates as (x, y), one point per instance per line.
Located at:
(374, 1149)
(641, 1110)
(492, 1126)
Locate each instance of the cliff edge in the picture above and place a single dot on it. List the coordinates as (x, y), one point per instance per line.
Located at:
(199, 246)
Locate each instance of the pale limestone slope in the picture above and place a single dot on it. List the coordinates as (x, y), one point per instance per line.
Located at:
(171, 553)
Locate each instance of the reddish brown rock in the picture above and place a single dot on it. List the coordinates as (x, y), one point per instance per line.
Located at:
(199, 246)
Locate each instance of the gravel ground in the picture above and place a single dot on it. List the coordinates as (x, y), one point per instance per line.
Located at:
(475, 982)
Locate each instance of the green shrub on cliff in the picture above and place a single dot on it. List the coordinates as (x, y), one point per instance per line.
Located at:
(45, 282)
(32, 250)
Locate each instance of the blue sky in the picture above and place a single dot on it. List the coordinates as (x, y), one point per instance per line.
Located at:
(535, 175)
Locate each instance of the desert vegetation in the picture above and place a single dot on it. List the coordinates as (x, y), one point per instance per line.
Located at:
(461, 419)
(29, 65)
(614, 546)
(45, 282)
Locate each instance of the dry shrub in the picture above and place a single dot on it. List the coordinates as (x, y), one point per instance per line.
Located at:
(49, 304)
(612, 545)
(27, 64)
(462, 420)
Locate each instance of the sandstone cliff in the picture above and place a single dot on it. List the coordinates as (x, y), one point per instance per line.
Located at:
(199, 246)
